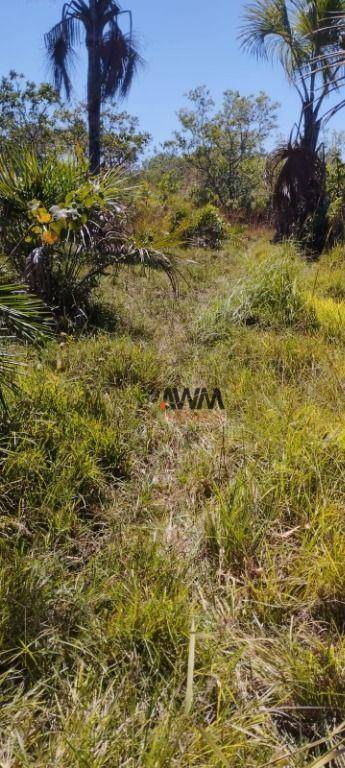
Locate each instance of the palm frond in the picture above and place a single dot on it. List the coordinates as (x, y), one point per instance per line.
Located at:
(60, 44)
(120, 57)
(268, 32)
(329, 36)
(120, 60)
(19, 176)
(298, 33)
(21, 316)
(115, 187)
(148, 258)
(22, 313)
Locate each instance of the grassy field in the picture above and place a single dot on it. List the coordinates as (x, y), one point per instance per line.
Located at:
(172, 585)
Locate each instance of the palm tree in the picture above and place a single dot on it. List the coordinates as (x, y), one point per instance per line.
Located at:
(113, 58)
(305, 36)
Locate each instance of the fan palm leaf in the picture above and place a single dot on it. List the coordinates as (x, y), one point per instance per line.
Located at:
(22, 312)
(21, 316)
(268, 32)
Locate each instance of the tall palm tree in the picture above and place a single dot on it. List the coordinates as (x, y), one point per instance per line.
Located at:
(113, 58)
(305, 36)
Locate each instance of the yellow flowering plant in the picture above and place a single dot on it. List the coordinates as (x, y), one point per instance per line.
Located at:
(62, 229)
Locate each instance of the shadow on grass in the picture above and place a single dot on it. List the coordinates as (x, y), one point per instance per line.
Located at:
(105, 317)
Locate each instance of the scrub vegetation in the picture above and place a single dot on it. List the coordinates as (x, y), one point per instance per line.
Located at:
(123, 527)
(172, 581)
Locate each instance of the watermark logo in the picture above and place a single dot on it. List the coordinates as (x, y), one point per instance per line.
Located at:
(174, 399)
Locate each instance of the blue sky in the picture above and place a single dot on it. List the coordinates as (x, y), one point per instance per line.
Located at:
(185, 43)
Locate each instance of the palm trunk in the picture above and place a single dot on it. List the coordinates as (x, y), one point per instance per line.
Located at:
(311, 129)
(94, 85)
(302, 208)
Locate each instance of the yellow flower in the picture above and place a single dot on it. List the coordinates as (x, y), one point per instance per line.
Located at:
(49, 237)
(43, 216)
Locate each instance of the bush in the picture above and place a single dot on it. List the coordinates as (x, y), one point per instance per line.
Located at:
(336, 221)
(62, 229)
(204, 229)
(179, 217)
(25, 178)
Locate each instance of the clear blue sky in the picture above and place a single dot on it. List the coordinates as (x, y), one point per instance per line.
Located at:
(184, 42)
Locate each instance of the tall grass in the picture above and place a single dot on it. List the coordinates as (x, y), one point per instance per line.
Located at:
(171, 585)
(270, 295)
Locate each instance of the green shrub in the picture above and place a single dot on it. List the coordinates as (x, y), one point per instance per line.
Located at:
(178, 216)
(25, 177)
(336, 221)
(62, 229)
(205, 228)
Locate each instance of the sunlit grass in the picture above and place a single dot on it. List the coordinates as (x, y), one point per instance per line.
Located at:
(123, 530)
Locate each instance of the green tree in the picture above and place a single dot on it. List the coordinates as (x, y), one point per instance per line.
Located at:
(224, 148)
(122, 141)
(27, 112)
(305, 37)
(33, 115)
(113, 58)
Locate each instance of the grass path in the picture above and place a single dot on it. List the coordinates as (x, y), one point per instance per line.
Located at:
(122, 528)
